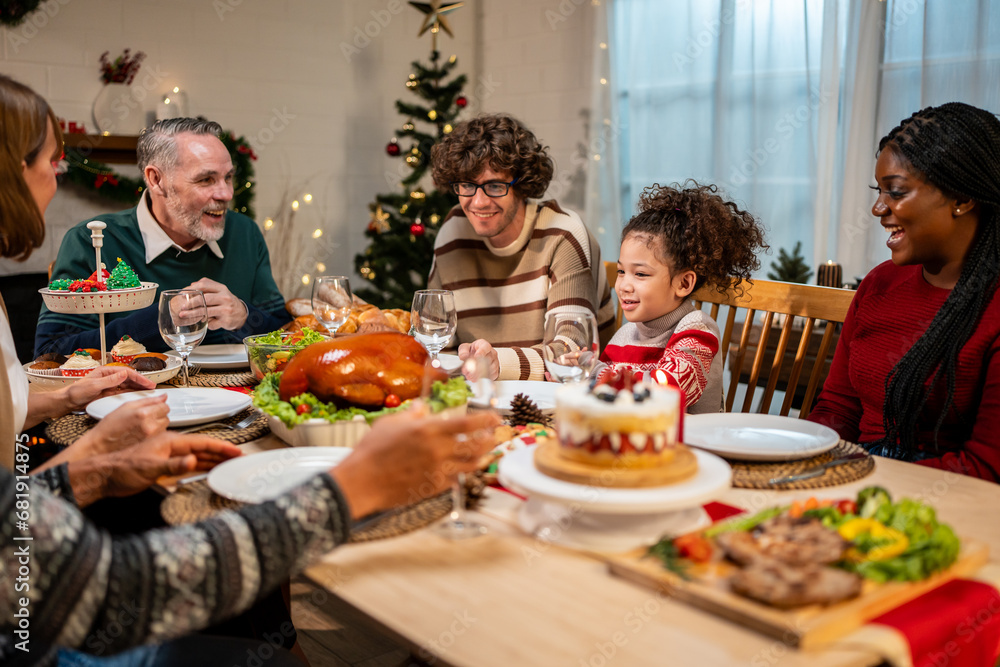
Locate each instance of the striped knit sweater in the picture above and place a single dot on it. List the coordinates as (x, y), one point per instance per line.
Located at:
(503, 294)
(166, 582)
(684, 343)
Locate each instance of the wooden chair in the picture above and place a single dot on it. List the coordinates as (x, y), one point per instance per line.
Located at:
(769, 297)
(611, 270)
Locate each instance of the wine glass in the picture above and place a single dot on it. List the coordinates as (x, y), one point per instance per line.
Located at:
(570, 345)
(433, 319)
(183, 321)
(331, 301)
(458, 525)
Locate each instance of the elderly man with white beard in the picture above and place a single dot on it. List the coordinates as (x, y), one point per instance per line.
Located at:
(180, 235)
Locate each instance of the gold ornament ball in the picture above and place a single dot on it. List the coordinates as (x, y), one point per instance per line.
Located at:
(447, 128)
(407, 127)
(412, 159)
(453, 59)
(413, 76)
(432, 114)
(434, 218)
(411, 84)
(417, 194)
(403, 208)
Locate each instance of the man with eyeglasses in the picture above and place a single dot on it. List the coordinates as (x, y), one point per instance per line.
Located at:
(509, 258)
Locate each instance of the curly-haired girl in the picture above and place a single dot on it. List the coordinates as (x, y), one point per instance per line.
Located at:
(682, 238)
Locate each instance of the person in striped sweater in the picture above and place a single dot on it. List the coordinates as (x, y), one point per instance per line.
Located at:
(682, 238)
(509, 258)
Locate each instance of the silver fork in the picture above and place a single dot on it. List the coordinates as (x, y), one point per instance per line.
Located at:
(243, 423)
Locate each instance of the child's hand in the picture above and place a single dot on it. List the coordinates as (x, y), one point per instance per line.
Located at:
(481, 348)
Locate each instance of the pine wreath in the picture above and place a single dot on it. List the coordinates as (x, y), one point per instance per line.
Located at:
(12, 12)
(103, 180)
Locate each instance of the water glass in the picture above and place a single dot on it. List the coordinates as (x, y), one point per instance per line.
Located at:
(332, 301)
(433, 319)
(570, 345)
(183, 322)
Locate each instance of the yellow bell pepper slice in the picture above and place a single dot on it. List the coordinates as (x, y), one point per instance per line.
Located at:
(897, 541)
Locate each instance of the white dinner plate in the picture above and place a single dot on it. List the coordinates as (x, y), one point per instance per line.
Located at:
(752, 437)
(449, 362)
(188, 406)
(517, 472)
(263, 476)
(542, 393)
(217, 357)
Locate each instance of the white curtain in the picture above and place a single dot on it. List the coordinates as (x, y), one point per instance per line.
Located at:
(781, 103)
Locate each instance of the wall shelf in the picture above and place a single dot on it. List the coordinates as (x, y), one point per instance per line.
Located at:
(112, 148)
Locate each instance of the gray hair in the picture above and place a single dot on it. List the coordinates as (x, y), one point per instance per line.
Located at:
(156, 143)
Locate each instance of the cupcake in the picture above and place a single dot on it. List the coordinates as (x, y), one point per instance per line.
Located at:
(148, 364)
(123, 277)
(79, 364)
(126, 349)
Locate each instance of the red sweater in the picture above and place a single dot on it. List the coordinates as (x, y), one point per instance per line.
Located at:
(891, 310)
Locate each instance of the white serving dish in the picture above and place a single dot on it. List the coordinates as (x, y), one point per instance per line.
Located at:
(111, 301)
(320, 432)
(53, 378)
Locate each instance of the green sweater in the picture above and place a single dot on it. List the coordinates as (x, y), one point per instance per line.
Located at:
(245, 270)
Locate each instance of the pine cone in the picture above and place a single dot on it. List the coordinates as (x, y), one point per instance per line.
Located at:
(524, 411)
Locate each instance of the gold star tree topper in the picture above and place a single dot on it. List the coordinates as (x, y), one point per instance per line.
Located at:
(435, 19)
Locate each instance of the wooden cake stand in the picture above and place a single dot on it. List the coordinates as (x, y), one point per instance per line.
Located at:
(549, 461)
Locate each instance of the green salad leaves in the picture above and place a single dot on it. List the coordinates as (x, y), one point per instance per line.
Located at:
(453, 393)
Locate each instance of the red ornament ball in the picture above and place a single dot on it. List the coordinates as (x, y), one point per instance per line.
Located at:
(461, 102)
(417, 229)
(392, 148)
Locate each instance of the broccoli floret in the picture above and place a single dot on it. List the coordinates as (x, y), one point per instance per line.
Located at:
(870, 499)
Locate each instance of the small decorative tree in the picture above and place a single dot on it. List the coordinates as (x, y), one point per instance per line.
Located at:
(791, 268)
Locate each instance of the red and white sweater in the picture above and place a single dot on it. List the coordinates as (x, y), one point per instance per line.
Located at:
(684, 344)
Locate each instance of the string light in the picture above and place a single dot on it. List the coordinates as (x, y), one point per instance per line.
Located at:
(603, 45)
(306, 278)
(317, 233)
(177, 89)
(166, 100)
(321, 267)
(295, 205)
(604, 81)
(268, 223)
(307, 198)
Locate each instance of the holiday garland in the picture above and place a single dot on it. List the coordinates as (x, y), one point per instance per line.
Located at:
(100, 178)
(12, 12)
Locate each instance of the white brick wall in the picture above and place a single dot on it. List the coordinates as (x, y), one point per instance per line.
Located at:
(239, 66)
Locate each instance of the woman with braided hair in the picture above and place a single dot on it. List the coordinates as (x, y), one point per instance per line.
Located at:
(916, 375)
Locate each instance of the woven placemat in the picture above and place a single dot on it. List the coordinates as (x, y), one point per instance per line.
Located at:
(196, 501)
(751, 475)
(206, 378)
(66, 430)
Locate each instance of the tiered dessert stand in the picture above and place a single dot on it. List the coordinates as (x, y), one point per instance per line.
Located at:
(89, 303)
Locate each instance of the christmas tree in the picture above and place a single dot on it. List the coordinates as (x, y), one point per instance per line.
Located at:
(791, 268)
(403, 224)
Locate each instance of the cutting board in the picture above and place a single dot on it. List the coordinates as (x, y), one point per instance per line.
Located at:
(805, 627)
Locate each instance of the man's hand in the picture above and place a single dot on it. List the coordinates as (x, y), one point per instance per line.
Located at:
(225, 311)
(103, 381)
(481, 348)
(131, 423)
(410, 456)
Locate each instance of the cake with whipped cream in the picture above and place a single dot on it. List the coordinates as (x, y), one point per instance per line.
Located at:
(78, 364)
(126, 349)
(630, 427)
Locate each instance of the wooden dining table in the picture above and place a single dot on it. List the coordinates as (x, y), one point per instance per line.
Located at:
(508, 598)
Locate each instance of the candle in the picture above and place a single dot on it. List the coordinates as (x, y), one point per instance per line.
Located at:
(829, 274)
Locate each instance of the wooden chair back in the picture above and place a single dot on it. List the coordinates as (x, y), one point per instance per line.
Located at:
(812, 303)
(611, 270)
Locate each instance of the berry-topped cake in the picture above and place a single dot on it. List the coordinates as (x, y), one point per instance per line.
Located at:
(628, 427)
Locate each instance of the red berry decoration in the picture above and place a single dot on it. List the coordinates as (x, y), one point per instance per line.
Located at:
(392, 401)
(417, 229)
(392, 148)
(461, 102)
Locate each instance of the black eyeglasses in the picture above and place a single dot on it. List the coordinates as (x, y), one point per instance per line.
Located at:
(492, 189)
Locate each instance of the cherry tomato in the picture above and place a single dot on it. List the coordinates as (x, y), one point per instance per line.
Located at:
(392, 401)
(302, 409)
(694, 547)
(847, 506)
